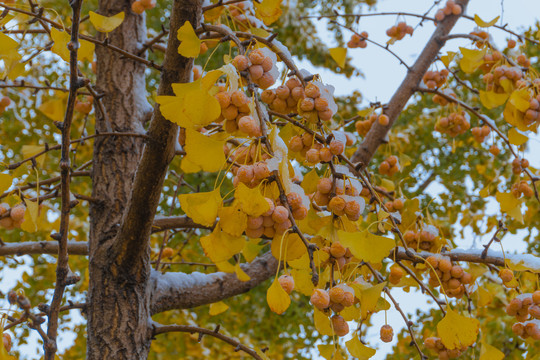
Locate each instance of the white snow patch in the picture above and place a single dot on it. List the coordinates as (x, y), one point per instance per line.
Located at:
(179, 280)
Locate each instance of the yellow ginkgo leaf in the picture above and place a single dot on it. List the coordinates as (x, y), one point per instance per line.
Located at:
(339, 55)
(7, 44)
(510, 205)
(322, 323)
(31, 223)
(457, 331)
(61, 39)
(232, 220)
(472, 59)
(302, 281)
(484, 297)
(309, 183)
(359, 350)
(251, 249)
(520, 99)
(268, 10)
(326, 350)
(32, 150)
(277, 298)
(516, 138)
(220, 246)
(446, 59)
(369, 297)
(54, 109)
(492, 99)
(203, 153)
(291, 247)
(190, 44)
(488, 352)
(218, 308)
(5, 182)
(192, 107)
(201, 207)
(367, 246)
(251, 201)
(240, 273)
(483, 23)
(106, 23)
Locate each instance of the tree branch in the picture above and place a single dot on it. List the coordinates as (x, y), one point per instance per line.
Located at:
(378, 133)
(183, 291)
(42, 247)
(162, 329)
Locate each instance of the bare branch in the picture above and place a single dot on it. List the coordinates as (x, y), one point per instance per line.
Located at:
(377, 134)
(162, 329)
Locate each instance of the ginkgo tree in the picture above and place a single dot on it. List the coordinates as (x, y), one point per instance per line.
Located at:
(168, 168)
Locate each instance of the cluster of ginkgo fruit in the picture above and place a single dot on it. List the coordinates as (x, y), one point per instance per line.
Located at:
(394, 205)
(235, 111)
(244, 15)
(389, 166)
(245, 155)
(140, 6)
(11, 218)
(276, 220)
(483, 35)
(435, 343)
(495, 80)
(441, 100)
(314, 151)
(396, 274)
(490, 59)
(454, 124)
(532, 114)
(450, 8)
(421, 239)
(398, 32)
(435, 79)
(344, 201)
(363, 126)
(316, 103)
(338, 297)
(480, 133)
(358, 40)
(250, 175)
(85, 106)
(259, 65)
(338, 255)
(522, 188)
(284, 99)
(452, 277)
(526, 309)
(4, 103)
(519, 165)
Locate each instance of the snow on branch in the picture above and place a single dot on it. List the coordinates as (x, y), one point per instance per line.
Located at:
(182, 291)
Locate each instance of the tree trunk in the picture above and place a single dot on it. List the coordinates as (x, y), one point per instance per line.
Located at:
(117, 305)
(127, 186)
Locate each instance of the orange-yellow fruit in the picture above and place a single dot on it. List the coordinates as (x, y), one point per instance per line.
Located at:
(287, 283)
(506, 275)
(387, 333)
(320, 299)
(167, 252)
(340, 326)
(137, 7)
(336, 294)
(7, 341)
(17, 212)
(280, 214)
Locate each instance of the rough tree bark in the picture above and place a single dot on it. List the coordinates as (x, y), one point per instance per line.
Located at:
(116, 312)
(128, 186)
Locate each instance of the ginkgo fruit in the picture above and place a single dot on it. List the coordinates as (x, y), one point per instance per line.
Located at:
(287, 283)
(320, 299)
(340, 326)
(386, 333)
(7, 341)
(506, 275)
(167, 252)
